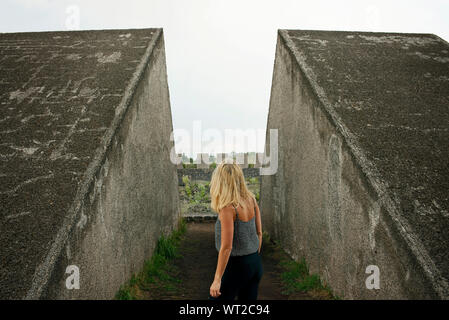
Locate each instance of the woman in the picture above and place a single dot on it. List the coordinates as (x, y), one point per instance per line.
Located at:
(238, 235)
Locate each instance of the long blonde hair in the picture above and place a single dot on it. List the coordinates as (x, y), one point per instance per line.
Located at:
(228, 186)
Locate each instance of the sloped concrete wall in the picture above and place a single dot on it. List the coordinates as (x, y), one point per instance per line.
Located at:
(134, 199)
(322, 206)
(103, 105)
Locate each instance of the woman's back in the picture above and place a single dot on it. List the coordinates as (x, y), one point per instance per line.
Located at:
(246, 213)
(245, 238)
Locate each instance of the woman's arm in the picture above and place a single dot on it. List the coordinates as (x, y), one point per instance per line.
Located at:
(258, 224)
(226, 217)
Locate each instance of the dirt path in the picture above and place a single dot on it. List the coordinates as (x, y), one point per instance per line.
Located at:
(199, 260)
(189, 275)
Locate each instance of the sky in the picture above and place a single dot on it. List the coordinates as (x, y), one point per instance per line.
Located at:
(220, 54)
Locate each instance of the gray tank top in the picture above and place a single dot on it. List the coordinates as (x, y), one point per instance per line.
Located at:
(245, 240)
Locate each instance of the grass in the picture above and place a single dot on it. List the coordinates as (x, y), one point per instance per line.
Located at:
(158, 276)
(296, 277)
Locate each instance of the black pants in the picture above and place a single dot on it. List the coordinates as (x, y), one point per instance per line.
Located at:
(241, 278)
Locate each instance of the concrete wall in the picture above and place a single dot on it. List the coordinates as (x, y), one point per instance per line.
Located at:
(321, 206)
(134, 199)
(128, 195)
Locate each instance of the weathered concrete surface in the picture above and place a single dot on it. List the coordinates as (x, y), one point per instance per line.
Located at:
(85, 173)
(363, 159)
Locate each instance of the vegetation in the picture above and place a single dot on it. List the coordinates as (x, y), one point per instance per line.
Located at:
(254, 180)
(189, 165)
(254, 186)
(195, 195)
(296, 277)
(257, 195)
(158, 274)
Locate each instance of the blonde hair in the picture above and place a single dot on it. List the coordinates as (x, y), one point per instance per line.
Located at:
(228, 186)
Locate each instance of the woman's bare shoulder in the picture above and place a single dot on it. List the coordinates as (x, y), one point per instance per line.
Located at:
(226, 212)
(252, 201)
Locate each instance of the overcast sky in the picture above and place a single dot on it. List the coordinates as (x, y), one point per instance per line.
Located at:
(220, 54)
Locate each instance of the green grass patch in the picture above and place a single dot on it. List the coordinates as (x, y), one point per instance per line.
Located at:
(159, 275)
(296, 276)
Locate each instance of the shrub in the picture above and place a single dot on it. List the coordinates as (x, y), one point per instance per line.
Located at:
(202, 190)
(253, 180)
(186, 180)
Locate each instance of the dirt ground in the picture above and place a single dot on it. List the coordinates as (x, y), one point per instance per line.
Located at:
(199, 259)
